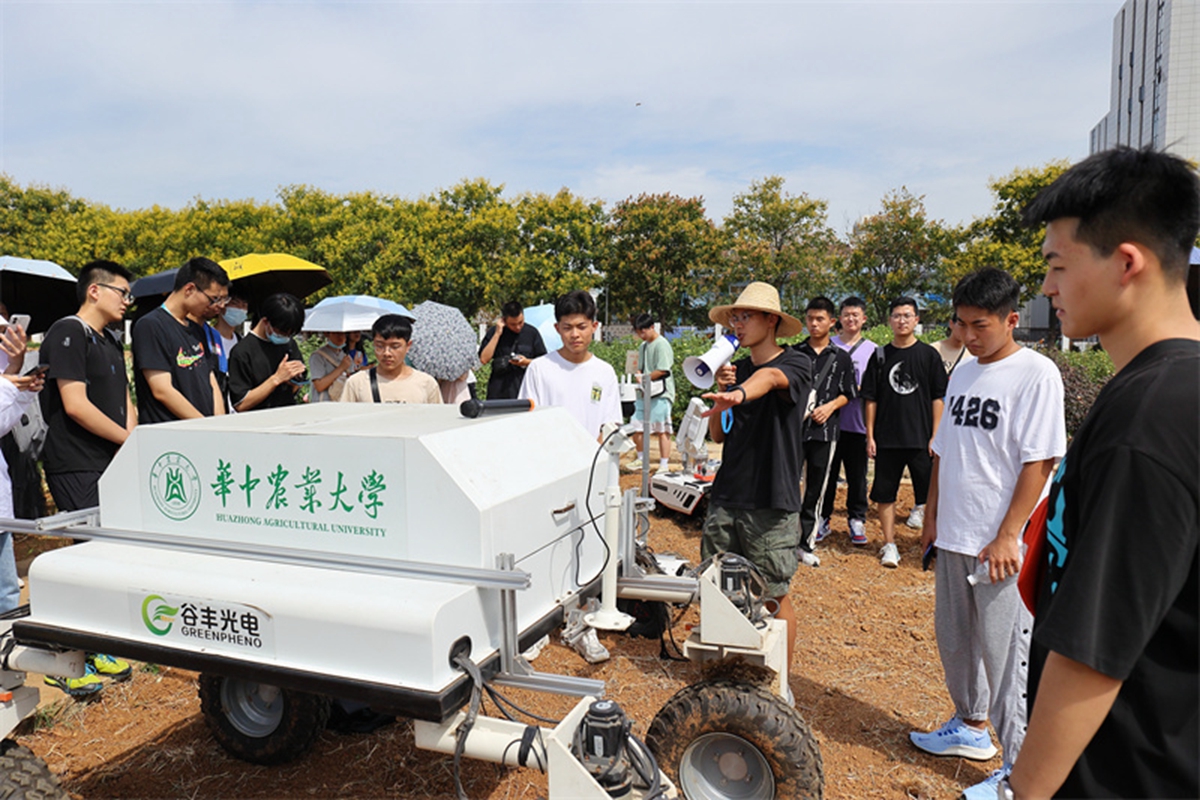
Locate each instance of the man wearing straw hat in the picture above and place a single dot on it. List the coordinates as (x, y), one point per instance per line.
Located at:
(754, 507)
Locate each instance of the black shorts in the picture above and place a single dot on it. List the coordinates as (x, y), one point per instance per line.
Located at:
(74, 490)
(889, 466)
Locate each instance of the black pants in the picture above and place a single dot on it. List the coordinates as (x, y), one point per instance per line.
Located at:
(816, 468)
(851, 453)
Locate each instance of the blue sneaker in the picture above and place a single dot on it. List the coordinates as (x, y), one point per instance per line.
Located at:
(987, 788)
(823, 529)
(956, 738)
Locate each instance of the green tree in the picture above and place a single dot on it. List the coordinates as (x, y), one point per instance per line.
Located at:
(782, 239)
(999, 239)
(661, 257)
(898, 251)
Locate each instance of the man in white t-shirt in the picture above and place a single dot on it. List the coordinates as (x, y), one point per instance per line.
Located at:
(571, 377)
(1002, 430)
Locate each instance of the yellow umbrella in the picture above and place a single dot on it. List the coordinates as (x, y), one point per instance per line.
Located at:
(258, 275)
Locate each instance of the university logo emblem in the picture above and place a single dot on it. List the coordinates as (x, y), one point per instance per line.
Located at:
(175, 486)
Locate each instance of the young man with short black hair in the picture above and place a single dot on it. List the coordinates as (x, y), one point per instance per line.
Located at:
(1001, 431)
(86, 402)
(571, 376)
(1114, 680)
(391, 380)
(835, 385)
(264, 367)
(89, 414)
(754, 506)
(903, 389)
(172, 373)
(510, 347)
(850, 451)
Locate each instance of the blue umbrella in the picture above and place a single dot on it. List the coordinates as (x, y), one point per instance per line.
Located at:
(542, 318)
(351, 312)
(42, 289)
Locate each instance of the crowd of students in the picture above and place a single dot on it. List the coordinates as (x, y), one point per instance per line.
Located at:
(1106, 638)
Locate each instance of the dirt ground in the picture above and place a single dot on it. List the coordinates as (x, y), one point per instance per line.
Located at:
(866, 673)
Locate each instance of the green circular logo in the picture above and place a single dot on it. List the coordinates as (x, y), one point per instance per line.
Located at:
(161, 612)
(175, 486)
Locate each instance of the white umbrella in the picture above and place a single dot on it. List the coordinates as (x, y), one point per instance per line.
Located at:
(352, 312)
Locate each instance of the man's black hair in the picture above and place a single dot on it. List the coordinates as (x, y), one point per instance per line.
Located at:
(993, 290)
(821, 303)
(284, 311)
(99, 272)
(392, 326)
(576, 302)
(643, 321)
(203, 272)
(1127, 195)
(904, 301)
(853, 301)
(511, 309)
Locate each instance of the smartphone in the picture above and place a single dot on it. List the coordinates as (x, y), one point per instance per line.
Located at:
(40, 369)
(22, 320)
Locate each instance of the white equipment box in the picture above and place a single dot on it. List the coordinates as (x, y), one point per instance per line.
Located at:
(396, 483)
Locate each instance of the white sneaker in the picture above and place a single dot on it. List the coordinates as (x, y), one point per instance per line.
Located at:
(635, 465)
(663, 469)
(916, 517)
(809, 559)
(889, 556)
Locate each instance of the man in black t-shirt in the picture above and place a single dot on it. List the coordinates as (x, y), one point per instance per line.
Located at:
(833, 378)
(1114, 675)
(903, 389)
(173, 376)
(265, 367)
(86, 402)
(509, 347)
(89, 414)
(754, 506)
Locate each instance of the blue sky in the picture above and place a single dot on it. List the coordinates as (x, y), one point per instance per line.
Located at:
(141, 103)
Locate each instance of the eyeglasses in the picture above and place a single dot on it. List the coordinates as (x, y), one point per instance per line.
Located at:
(223, 300)
(902, 317)
(126, 295)
(395, 347)
(742, 318)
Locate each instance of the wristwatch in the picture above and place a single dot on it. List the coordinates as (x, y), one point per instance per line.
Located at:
(738, 387)
(1003, 790)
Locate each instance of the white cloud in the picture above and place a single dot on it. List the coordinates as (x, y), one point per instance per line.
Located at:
(135, 104)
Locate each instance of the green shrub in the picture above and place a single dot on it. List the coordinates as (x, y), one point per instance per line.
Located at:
(1083, 376)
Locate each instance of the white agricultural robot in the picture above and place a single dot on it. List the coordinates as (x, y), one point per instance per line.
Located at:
(379, 554)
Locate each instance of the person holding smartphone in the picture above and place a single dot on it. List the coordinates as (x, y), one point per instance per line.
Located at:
(266, 369)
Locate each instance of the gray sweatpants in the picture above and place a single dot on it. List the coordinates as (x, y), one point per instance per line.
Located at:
(983, 638)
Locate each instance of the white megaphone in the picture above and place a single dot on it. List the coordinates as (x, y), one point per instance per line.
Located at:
(701, 370)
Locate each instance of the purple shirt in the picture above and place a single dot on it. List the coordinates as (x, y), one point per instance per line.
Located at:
(852, 413)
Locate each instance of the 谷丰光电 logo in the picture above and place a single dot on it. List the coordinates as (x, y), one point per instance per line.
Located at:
(155, 612)
(175, 486)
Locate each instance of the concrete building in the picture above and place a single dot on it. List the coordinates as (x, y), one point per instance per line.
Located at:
(1155, 79)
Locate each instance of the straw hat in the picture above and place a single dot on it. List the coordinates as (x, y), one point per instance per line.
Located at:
(759, 296)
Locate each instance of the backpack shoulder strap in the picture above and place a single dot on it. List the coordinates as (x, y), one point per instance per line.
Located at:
(374, 386)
